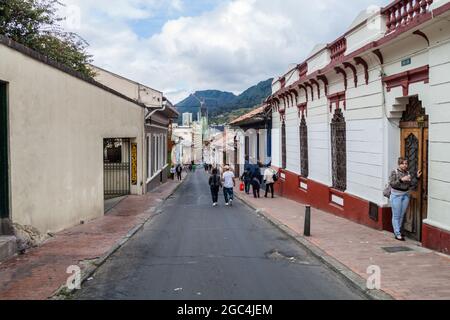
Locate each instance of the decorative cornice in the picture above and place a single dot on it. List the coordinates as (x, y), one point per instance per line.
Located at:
(348, 65)
(337, 98)
(339, 70)
(404, 79)
(314, 82)
(361, 62)
(308, 85)
(302, 109)
(301, 86)
(324, 79)
(379, 55)
(423, 35)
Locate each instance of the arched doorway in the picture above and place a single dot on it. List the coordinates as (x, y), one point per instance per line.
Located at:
(414, 147)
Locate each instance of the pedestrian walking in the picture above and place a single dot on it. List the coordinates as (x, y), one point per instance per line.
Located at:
(256, 186)
(172, 172)
(270, 177)
(215, 184)
(401, 181)
(247, 179)
(228, 186)
(179, 171)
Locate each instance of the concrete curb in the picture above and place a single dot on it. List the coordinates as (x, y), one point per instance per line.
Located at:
(351, 278)
(64, 293)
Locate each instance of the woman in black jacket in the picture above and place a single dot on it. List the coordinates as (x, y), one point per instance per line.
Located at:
(215, 183)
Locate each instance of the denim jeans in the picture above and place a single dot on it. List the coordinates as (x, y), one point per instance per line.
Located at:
(399, 204)
(228, 194)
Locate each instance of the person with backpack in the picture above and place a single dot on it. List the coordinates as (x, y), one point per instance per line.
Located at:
(247, 179)
(270, 177)
(215, 184)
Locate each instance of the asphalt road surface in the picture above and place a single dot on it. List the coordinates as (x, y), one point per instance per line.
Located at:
(192, 251)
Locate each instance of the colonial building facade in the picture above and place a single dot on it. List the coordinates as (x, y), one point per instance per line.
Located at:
(251, 139)
(159, 118)
(61, 136)
(342, 117)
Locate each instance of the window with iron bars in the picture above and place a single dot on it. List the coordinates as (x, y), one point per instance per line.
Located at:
(304, 161)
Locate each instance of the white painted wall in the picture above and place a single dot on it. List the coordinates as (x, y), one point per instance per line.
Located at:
(130, 88)
(57, 126)
(276, 140)
(292, 141)
(439, 112)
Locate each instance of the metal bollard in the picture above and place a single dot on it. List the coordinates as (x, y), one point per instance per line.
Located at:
(307, 231)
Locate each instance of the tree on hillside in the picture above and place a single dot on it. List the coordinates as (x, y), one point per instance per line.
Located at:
(35, 24)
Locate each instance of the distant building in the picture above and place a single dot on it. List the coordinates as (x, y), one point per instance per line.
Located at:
(159, 116)
(187, 119)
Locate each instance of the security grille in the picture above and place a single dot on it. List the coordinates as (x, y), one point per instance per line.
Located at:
(339, 151)
(116, 168)
(304, 161)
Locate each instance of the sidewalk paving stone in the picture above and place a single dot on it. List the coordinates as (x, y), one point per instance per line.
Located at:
(417, 274)
(41, 272)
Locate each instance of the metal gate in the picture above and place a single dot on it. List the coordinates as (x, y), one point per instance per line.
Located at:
(4, 193)
(116, 174)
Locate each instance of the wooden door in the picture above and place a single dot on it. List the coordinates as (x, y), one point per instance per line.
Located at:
(414, 146)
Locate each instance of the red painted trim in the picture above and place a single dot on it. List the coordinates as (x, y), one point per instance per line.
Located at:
(337, 98)
(300, 181)
(318, 196)
(423, 35)
(436, 239)
(314, 82)
(362, 62)
(375, 45)
(308, 85)
(324, 79)
(302, 70)
(300, 86)
(338, 48)
(302, 108)
(404, 79)
(339, 70)
(348, 65)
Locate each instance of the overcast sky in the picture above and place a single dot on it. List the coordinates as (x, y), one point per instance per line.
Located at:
(181, 46)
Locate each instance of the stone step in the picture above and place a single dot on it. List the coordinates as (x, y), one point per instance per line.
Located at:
(8, 247)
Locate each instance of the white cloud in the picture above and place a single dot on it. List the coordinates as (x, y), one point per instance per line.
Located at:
(230, 48)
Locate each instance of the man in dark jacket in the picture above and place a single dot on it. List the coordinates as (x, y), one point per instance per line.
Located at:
(179, 170)
(247, 179)
(215, 182)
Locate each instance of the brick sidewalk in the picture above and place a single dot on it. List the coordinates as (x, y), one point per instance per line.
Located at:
(418, 274)
(39, 273)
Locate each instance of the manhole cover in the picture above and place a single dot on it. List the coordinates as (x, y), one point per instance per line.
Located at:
(397, 249)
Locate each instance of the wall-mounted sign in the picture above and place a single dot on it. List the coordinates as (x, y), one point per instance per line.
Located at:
(406, 62)
(134, 164)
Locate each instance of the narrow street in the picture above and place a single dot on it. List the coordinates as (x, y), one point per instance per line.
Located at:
(192, 251)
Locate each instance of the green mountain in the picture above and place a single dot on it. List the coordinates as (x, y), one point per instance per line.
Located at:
(224, 106)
